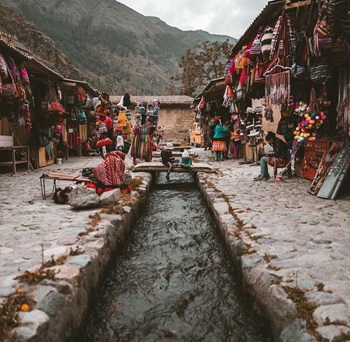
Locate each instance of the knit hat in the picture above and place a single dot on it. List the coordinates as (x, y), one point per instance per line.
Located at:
(185, 154)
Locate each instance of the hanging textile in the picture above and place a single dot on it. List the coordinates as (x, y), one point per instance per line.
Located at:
(343, 109)
(277, 88)
(283, 41)
(73, 138)
(83, 133)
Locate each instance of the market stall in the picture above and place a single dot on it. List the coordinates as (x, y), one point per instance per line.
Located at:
(293, 62)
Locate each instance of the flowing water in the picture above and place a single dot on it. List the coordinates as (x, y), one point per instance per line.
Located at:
(174, 280)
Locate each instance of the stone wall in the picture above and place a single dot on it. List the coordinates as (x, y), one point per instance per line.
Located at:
(176, 119)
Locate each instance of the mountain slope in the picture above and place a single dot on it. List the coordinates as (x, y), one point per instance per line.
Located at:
(117, 49)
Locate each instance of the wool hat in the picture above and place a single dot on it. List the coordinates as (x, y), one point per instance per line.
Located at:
(169, 146)
(185, 154)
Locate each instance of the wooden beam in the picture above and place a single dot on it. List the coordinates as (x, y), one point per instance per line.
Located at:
(159, 167)
(292, 5)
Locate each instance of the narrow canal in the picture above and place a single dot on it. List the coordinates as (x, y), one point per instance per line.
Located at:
(174, 280)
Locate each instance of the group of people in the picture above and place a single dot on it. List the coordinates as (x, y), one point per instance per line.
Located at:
(170, 161)
(220, 137)
(276, 150)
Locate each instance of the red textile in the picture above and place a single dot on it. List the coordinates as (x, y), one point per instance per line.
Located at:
(111, 170)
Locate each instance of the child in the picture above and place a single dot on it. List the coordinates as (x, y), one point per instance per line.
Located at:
(185, 160)
(168, 159)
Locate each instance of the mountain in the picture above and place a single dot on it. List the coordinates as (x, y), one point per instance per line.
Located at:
(117, 49)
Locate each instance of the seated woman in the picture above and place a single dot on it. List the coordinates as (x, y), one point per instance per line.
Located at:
(185, 160)
(276, 157)
(110, 173)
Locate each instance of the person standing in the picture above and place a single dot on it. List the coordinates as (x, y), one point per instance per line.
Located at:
(142, 142)
(219, 140)
(206, 136)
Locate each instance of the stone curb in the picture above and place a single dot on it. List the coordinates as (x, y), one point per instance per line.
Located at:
(270, 300)
(62, 304)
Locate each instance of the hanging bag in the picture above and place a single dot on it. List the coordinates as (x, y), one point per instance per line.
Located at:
(256, 45)
(52, 104)
(340, 52)
(266, 41)
(326, 28)
(9, 89)
(320, 71)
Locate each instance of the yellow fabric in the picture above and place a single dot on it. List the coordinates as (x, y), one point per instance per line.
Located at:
(122, 120)
(127, 128)
(64, 133)
(83, 133)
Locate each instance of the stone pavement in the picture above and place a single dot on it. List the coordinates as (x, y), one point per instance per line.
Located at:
(300, 240)
(283, 239)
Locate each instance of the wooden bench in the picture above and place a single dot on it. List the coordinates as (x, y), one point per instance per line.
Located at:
(159, 167)
(7, 145)
(175, 153)
(55, 176)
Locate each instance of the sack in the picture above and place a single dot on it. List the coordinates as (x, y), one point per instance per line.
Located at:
(56, 108)
(320, 71)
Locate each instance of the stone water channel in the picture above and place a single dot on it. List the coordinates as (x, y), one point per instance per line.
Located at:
(173, 280)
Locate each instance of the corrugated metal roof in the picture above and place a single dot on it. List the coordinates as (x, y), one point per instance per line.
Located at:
(217, 83)
(83, 84)
(30, 60)
(268, 14)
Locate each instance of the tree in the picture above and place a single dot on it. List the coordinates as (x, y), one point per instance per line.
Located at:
(205, 63)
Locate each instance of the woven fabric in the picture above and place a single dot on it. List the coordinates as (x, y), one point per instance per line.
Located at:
(142, 143)
(219, 146)
(111, 170)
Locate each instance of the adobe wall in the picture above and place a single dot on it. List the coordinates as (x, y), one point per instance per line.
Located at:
(176, 120)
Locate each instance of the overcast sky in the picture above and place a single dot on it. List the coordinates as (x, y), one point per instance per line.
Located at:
(228, 17)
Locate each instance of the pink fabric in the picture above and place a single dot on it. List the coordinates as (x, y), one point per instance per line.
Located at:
(111, 170)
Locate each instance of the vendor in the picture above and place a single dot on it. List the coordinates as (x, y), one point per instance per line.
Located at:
(276, 157)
